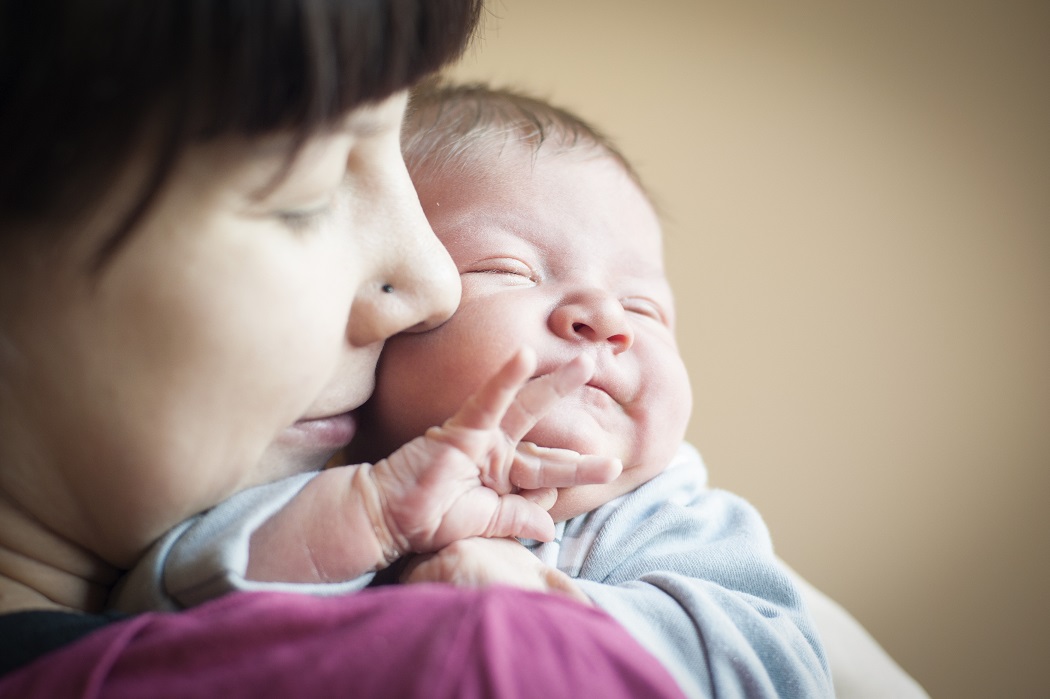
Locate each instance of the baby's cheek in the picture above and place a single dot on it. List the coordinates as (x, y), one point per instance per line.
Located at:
(660, 425)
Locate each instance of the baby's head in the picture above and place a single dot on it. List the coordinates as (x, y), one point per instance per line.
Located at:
(558, 248)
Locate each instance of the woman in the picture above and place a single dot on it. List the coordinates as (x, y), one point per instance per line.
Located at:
(207, 235)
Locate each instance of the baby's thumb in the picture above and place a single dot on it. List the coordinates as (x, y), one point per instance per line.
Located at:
(519, 517)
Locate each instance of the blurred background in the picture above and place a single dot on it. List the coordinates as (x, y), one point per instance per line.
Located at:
(857, 207)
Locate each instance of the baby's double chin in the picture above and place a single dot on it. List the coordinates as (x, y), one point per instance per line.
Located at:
(579, 499)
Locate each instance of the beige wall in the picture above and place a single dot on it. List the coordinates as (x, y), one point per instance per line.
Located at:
(859, 236)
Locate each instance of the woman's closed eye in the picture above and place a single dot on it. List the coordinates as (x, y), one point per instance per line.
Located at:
(303, 220)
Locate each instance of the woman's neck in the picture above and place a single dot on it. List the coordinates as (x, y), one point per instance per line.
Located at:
(40, 570)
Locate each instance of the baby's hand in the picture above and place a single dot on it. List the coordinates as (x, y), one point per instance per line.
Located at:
(471, 477)
(481, 562)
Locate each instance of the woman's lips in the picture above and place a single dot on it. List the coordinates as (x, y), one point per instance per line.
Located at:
(332, 432)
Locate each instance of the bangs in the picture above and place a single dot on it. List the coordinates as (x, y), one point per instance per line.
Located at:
(87, 84)
(304, 63)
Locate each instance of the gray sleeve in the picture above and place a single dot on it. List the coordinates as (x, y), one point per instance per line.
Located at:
(207, 556)
(690, 572)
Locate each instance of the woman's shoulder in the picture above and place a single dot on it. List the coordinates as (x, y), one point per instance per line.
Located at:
(458, 642)
(27, 635)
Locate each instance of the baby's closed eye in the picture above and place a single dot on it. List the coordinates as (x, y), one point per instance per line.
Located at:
(506, 266)
(644, 307)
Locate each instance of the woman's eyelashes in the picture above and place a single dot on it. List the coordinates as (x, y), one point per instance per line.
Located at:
(304, 220)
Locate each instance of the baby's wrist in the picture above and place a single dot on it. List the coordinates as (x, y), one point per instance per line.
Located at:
(391, 547)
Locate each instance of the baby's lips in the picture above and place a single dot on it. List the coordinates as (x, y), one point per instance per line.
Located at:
(601, 374)
(575, 373)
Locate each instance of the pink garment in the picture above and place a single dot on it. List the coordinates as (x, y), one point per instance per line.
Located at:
(419, 641)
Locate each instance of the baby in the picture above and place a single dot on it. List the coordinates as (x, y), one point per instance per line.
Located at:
(559, 249)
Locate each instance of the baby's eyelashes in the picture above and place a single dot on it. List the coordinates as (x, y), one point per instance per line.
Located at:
(645, 307)
(504, 266)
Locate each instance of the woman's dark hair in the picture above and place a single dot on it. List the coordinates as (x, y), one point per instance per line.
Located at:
(81, 82)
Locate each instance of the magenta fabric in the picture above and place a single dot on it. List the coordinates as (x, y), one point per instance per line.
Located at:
(420, 641)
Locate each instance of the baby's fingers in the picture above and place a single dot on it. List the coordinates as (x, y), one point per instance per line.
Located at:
(541, 394)
(541, 467)
(518, 517)
(544, 497)
(487, 407)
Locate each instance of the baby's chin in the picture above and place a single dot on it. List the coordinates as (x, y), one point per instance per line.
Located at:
(575, 501)
(584, 439)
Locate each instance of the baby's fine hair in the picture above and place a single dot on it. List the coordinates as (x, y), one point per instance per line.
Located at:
(458, 128)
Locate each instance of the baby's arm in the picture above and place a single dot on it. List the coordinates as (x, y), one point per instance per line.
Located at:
(324, 533)
(690, 572)
(468, 477)
(687, 570)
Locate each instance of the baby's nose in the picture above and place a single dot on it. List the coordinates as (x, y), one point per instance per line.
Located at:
(594, 317)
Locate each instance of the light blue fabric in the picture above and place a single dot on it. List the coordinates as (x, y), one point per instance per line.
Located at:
(207, 556)
(690, 572)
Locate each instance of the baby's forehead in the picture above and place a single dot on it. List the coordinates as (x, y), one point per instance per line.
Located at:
(492, 151)
(557, 152)
(568, 189)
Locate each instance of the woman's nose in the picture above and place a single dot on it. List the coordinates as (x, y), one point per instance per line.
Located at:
(593, 316)
(426, 280)
(415, 287)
